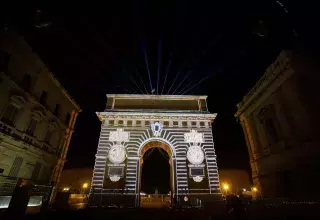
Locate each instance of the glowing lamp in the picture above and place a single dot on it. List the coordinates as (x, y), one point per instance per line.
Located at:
(254, 189)
(85, 185)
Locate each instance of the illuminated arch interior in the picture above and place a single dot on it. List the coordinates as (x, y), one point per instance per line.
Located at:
(165, 147)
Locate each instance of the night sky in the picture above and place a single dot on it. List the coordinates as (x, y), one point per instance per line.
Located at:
(224, 47)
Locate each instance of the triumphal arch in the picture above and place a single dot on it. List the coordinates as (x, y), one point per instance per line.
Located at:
(133, 124)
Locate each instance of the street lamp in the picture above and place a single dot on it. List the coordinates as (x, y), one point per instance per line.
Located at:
(226, 187)
(66, 189)
(84, 187)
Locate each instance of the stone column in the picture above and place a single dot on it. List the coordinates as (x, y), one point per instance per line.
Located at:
(58, 169)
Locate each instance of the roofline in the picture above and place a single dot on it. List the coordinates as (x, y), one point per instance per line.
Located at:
(55, 80)
(172, 97)
(206, 116)
(270, 75)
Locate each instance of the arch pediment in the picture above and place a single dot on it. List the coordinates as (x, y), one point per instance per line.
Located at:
(18, 100)
(156, 142)
(37, 114)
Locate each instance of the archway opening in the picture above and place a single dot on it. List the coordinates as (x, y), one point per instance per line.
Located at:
(156, 175)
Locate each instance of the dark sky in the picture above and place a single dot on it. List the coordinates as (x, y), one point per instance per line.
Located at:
(226, 45)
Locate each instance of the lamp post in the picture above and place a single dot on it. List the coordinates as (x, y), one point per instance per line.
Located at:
(226, 188)
(84, 187)
(254, 190)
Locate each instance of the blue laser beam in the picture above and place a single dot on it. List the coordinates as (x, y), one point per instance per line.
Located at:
(188, 73)
(166, 74)
(136, 85)
(142, 81)
(173, 83)
(147, 66)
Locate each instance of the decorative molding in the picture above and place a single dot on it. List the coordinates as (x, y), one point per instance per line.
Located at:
(195, 155)
(155, 116)
(38, 115)
(197, 179)
(193, 137)
(17, 100)
(117, 154)
(156, 129)
(114, 178)
(119, 136)
(272, 73)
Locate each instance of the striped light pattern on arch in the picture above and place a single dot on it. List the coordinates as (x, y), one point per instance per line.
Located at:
(139, 136)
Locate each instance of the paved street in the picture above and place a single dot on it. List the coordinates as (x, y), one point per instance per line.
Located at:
(155, 202)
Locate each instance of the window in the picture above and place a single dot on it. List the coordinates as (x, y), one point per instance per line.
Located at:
(147, 123)
(1, 170)
(4, 61)
(10, 115)
(271, 131)
(202, 124)
(36, 171)
(138, 122)
(175, 123)
(15, 167)
(268, 119)
(68, 116)
(120, 123)
(56, 111)
(43, 98)
(111, 122)
(193, 123)
(48, 136)
(166, 123)
(32, 126)
(26, 82)
(129, 123)
(184, 124)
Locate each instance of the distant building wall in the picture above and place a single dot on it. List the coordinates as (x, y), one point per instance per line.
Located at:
(75, 178)
(37, 116)
(236, 179)
(280, 124)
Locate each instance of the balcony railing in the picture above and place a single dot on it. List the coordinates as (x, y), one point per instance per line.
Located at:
(27, 139)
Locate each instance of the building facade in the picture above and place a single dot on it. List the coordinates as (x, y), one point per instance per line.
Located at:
(37, 116)
(280, 123)
(133, 124)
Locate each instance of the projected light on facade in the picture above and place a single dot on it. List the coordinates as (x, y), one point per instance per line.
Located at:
(133, 124)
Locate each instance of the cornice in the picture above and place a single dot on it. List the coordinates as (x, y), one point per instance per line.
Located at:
(155, 116)
(273, 72)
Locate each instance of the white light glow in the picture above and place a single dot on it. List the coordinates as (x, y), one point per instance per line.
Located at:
(119, 135)
(197, 179)
(193, 137)
(117, 154)
(195, 155)
(114, 178)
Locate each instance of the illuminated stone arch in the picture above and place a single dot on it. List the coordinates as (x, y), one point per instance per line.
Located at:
(157, 139)
(136, 129)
